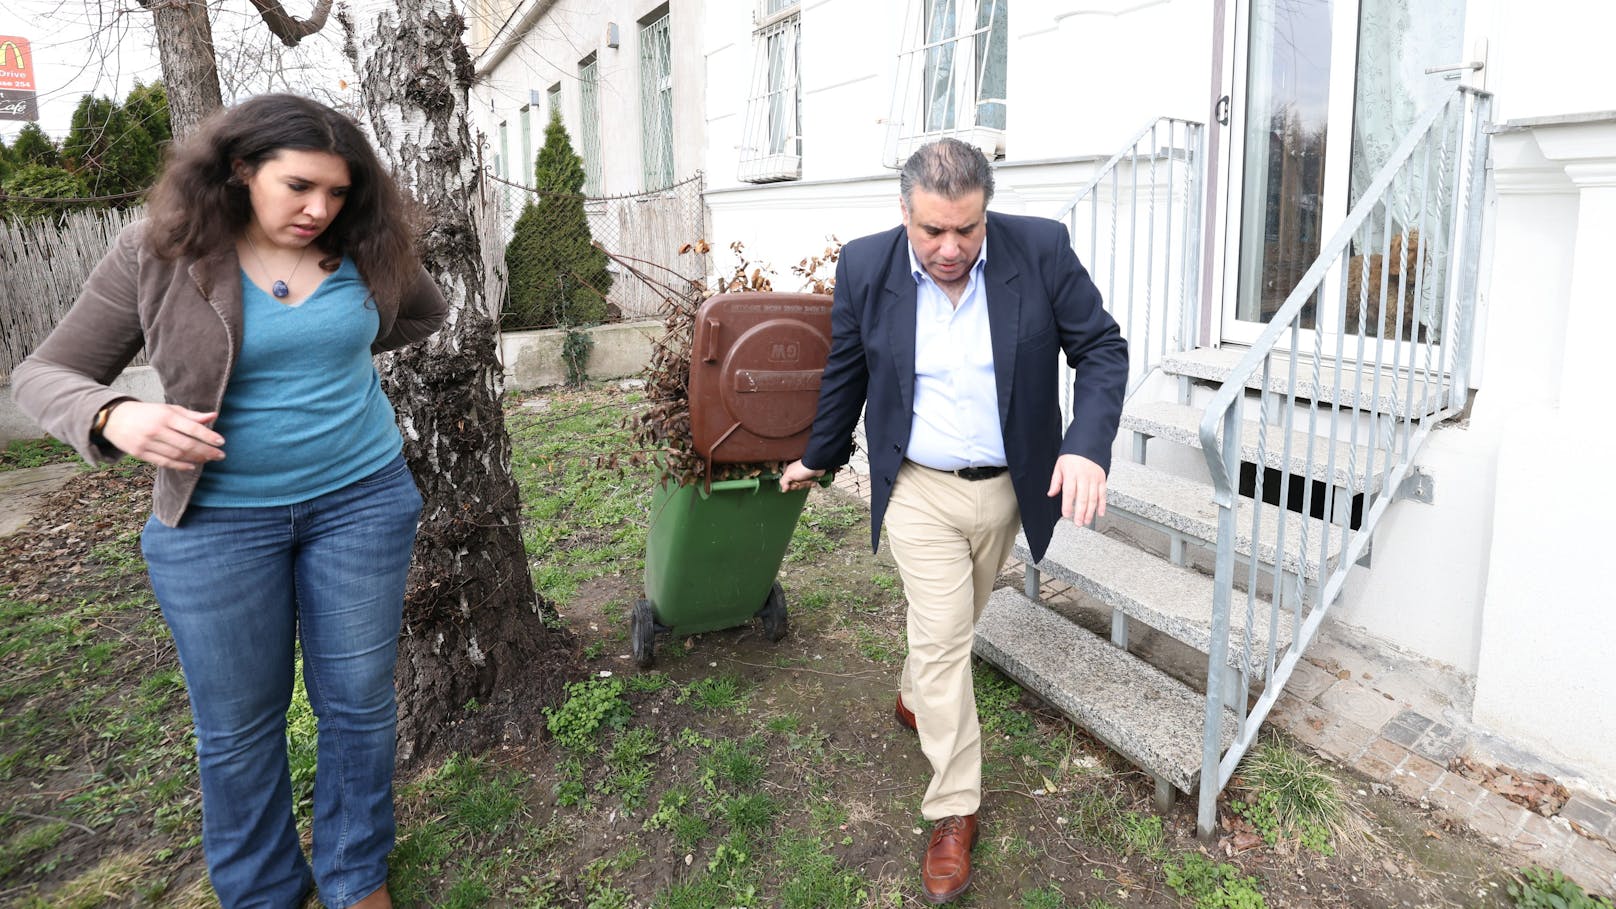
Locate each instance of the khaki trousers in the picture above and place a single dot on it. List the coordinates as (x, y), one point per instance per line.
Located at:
(950, 538)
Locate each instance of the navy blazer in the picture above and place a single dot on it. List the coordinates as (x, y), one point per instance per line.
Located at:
(1040, 302)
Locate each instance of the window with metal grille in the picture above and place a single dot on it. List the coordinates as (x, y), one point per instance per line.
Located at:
(656, 103)
(771, 146)
(525, 173)
(589, 123)
(502, 157)
(951, 76)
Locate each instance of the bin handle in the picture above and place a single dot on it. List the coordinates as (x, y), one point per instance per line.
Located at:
(710, 353)
(752, 484)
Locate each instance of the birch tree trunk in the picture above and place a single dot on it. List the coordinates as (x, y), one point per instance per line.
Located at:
(471, 618)
(185, 48)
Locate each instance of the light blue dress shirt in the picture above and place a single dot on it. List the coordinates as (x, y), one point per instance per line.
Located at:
(956, 421)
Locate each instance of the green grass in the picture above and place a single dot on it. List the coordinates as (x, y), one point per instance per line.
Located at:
(1288, 796)
(713, 693)
(815, 879)
(302, 743)
(1047, 897)
(579, 521)
(821, 528)
(25, 453)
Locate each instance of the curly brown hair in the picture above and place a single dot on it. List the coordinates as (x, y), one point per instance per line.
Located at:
(200, 206)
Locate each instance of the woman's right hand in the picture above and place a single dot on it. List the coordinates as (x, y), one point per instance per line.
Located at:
(164, 434)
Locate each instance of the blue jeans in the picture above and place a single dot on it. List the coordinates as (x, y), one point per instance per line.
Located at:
(235, 585)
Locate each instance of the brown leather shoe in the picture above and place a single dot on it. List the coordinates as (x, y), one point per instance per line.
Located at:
(945, 872)
(906, 717)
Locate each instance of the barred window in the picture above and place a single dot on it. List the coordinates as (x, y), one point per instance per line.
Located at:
(771, 147)
(951, 76)
(502, 155)
(525, 175)
(589, 123)
(656, 103)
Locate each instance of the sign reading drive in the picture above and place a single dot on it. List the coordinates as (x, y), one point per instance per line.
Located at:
(17, 80)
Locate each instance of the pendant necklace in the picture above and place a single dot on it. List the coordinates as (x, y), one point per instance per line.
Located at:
(280, 289)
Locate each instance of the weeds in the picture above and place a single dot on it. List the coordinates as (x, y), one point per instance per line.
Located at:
(1542, 889)
(1288, 797)
(590, 704)
(1213, 885)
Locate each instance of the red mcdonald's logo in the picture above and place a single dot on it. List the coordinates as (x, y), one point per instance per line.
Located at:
(16, 63)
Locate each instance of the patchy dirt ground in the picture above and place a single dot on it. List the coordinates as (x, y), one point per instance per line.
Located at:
(736, 772)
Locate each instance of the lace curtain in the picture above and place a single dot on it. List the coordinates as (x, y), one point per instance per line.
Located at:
(1397, 41)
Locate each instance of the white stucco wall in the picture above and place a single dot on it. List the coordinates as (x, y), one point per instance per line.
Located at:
(1496, 579)
(1548, 623)
(1076, 94)
(547, 41)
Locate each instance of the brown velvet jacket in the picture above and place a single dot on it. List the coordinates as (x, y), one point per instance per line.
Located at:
(187, 315)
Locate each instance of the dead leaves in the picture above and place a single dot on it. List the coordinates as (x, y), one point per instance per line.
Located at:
(1533, 791)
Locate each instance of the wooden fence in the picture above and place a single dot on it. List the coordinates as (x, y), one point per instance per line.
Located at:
(43, 266)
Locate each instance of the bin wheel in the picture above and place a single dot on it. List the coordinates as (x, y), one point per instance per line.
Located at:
(773, 614)
(642, 634)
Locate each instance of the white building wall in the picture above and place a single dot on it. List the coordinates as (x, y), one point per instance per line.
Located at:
(544, 43)
(1500, 578)
(1075, 97)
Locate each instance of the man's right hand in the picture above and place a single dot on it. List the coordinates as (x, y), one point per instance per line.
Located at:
(164, 434)
(796, 476)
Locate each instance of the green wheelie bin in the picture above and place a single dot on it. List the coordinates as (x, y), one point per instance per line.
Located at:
(711, 557)
(713, 549)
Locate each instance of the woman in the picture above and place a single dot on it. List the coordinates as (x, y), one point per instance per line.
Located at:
(275, 260)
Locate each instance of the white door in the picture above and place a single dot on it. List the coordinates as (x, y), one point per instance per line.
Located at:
(1321, 93)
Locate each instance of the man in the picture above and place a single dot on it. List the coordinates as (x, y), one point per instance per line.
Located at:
(946, 331)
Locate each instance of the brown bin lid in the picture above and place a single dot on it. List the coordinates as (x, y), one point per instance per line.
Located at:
(755, 366)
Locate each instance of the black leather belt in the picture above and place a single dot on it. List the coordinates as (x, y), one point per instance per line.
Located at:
(978, 473)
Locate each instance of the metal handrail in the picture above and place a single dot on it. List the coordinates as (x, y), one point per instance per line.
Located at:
(1149, 263)
(1388, 419)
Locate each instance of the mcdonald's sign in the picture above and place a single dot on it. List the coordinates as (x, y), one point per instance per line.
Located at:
(17, 80)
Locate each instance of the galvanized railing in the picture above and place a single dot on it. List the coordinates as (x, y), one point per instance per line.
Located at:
(1136, 226)
(1388, 310)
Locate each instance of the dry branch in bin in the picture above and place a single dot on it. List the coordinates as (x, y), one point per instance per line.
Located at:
(662, 430)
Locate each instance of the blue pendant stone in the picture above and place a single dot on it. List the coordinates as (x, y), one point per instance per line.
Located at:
(280, 290)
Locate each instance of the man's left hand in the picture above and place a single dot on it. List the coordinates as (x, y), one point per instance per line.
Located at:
(1081, 485)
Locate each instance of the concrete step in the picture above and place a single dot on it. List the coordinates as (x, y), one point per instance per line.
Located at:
(1183, 506)
(1182, 424)
(1134, 708)
(1213, 364)
(1174, 600)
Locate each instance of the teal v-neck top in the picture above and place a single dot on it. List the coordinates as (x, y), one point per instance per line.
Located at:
(304, 413)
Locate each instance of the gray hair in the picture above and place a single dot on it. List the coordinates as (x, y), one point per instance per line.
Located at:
(948, 167)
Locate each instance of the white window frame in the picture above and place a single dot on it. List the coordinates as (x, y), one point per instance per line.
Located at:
(929, 74)
(771, 146)
(656, 102)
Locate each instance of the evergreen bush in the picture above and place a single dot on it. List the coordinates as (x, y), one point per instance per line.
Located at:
(556, 276)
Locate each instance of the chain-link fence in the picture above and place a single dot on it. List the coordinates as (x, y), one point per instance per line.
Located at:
(45, 263)
(575, 253)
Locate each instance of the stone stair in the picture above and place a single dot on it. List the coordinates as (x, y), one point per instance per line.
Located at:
(1134, 708)
(1401, 396)
(1148, 716)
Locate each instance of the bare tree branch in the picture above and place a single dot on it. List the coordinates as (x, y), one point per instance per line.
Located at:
(289, 29)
